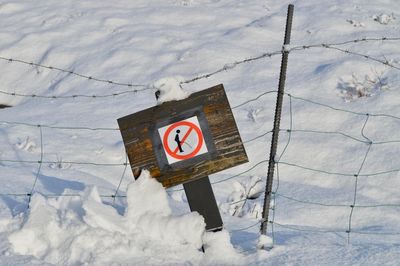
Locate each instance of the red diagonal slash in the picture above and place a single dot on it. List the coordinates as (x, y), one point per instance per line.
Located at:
(184, 139)
(191, 127)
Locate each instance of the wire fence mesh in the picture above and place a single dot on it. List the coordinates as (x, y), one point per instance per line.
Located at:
(280, 163)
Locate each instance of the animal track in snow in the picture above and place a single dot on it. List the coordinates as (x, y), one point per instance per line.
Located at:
(384, 18)
(26, 145)
(355, 23)
(253, 114)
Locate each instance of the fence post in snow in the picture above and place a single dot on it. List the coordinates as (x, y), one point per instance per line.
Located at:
(277, 119)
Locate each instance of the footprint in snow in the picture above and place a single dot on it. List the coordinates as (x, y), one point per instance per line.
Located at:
(26, 145)
(355, 23)
(384, 18)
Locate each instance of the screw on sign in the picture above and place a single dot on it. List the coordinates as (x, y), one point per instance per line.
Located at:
(183, 140)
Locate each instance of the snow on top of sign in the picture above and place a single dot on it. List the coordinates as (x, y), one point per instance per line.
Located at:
(170, 89)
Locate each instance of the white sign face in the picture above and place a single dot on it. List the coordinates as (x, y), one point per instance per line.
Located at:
(182, 140)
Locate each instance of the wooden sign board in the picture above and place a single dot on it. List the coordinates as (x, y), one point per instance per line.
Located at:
(181, 141)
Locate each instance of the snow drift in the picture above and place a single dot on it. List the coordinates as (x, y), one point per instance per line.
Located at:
(71, 230)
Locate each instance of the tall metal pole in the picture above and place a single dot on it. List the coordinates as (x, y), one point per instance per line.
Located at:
(277, 120)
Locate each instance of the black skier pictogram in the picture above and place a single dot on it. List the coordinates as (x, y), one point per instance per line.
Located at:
(178, 141)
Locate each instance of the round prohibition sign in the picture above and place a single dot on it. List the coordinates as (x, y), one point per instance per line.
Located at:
(174, 153)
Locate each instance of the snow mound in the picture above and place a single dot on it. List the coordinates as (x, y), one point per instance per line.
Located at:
(220, 251)
(241, 202)
(264, 242)
(5, 217)
(76, 230)
(170, 89)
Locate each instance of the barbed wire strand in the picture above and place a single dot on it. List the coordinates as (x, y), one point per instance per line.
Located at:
(27, 194)
(57, 127)
(230, 66)
(359, 40)
(239, 105)
(71, 72)
(367, 39)
(384, 62)
(226, 67)
(66, 162)
(116, 129)
(74, 96)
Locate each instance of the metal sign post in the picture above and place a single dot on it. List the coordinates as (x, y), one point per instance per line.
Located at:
(277, 120)
(201, 198)
(182, 142)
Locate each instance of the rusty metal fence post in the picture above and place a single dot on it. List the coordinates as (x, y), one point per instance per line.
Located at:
(277, 119)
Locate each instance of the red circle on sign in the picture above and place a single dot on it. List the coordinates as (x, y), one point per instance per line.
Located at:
(191, 126)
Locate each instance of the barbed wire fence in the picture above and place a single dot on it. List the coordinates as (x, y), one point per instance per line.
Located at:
(226, 67)
(277, 195)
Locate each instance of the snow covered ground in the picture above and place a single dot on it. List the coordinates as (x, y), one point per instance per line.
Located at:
(336, 195)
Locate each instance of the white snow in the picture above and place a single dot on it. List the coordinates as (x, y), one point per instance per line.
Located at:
(82, 229)
(170, 89)
(264, 242)
(73, 218)
(219, 250)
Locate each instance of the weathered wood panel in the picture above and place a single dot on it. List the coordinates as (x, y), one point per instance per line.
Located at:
(139, 132)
